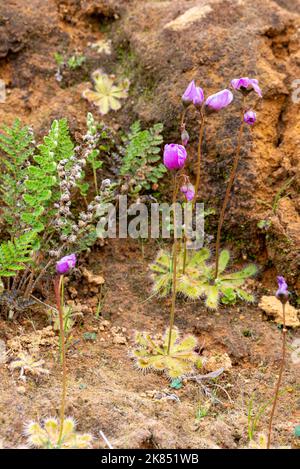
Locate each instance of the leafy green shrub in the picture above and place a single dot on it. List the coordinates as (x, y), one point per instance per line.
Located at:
(39, 185)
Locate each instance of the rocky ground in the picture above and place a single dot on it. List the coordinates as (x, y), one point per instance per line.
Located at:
(160, 46)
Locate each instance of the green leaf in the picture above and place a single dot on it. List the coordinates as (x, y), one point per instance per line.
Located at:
(249, 271)
(212, 296)
(223, 260)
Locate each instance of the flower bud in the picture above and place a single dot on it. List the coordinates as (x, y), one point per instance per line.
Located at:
(184, 137)
(189, 191)
(193, 94)
(250, 117)
(282, 293)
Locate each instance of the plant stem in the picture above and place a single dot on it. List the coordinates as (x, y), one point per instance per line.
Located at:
(228, 190)
(95, 179)
(197, 185)
(58, 287)
(201, 131)
(174, 265)
(284, 331)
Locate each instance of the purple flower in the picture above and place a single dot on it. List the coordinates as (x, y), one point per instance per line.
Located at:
(185, 137)
(189, 191)
(250, 117)
(217, 101)
(193, 94)
(174, 156)
(198, 97)
(246, 84)
(65, 264)
(282, 293)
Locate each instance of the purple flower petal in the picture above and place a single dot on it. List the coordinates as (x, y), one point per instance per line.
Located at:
(174, 156)
(189, 93)
(256, 87)
(239, 83)
(219, 100)
(65, 264)
(245, 83)
(193, 94)
(198, 97)
(282, 293)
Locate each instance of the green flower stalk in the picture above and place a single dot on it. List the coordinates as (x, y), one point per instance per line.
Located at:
(228, 189)
(198, 175)
(63, 266)
(174, 159)
(174, 263)
(245, 86)
(193, 95)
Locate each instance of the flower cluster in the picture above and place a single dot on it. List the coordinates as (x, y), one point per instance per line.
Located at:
(189, 191)
(175, 155)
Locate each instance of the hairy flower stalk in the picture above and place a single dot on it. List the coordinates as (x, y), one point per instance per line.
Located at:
(245, 86)
(194, 95)
(201, 132)
(198, 174)
(62, 267)
(282, 294)
(174, 266)
(229, 187)
(174, 159)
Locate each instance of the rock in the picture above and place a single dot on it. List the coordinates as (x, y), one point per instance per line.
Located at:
(119, 340)
(188, 17)
(73, 292)
(21, 389)
(217, 361)
(104, 325)
(273, 308)
(92, 278)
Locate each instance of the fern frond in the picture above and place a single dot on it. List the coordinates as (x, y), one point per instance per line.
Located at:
(14, 255)
(16, 150)
(141, 156)
(42, 188)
